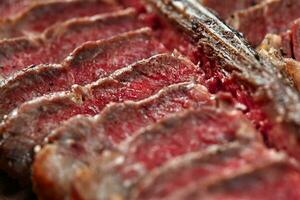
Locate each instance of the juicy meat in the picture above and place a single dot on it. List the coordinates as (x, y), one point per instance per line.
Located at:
(276, 181)
(295, 29)
(10, 8)
(86, 64)
(19, 53)
(149, 148)
(272, 16)
(42, 15)
(134, 82)
(226, 8)
(176, 176)
(93, 134)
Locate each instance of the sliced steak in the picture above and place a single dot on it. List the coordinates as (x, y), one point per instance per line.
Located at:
(183, 172)
(151, 147)
(229, 63)
(226, 8)
(272, 16)
(276, 181)
(86, 64)
(93, 134)
(44, 14)
(17, 54)
(134, 82)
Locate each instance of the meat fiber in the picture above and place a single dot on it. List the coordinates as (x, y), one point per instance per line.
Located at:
(272, 16)
(276, 181)
(28, 125)
(10, 8)
(230, 64)
(178, 175)
(86, 64)
(82, 139)
(149, 148)
(226, 8)
(19, 53)
(41, 15)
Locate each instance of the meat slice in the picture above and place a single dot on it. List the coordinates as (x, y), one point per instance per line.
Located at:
(272, 16)
(231, 65)
(41, 15)
(226, 8)
(86, 64)
(17, 54)
(276, 181)
(151, 147)
(10, 8)
(178, 175)
(134, 82)
(93, 134)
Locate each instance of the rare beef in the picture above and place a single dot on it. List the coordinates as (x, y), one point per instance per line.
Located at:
(91, 135)
(44, 14)
(86, 64)
(277, 181)
(272, 16)
(176, 177)
(19, 53)
(226, 8)
(11, 8)
(134, 82)
(230, 64)
(149, 148)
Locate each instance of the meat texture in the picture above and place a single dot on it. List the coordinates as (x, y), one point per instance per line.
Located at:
(229, 63)
(273, 16)
(119, 170)
(86, 64)
(175, 178)
(41, 15)
(92, 135)
(226, 8)
(134, 82)
(10, 8)
(19, 53)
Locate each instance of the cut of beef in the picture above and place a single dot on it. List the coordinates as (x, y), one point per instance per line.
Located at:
(272, 104)
(82, 139)
(268, 17)
(134, 82)
(149, 148)
(226, 8)
(86, 64)
(10, 8)
(16, 54)
(44, 14)
(176, 176)
(276, 181)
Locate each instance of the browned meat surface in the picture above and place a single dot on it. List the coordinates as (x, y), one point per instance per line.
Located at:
(86, 64)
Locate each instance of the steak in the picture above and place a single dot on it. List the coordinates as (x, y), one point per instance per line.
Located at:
(272, 104)
(226, 8)
(268, 17)
(86, 64)
(82, 139)
(200, 167)
(10, 8)
(19, 53)
(40, 16)
(154, 145)
(43, 114)
(274, 181)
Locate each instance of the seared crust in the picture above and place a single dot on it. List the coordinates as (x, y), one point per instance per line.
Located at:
(42, 14)
(19, 53)
(269, 88)
(84, 65)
